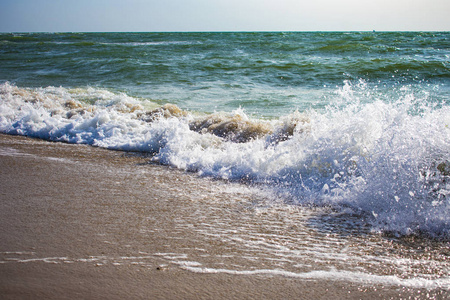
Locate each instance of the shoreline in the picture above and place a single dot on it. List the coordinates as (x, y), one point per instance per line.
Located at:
(84, 222)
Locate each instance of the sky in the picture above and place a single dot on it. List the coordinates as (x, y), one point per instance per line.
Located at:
(223, 15)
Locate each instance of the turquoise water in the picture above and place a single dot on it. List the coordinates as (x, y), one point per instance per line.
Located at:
(267, 74)
(355, 121)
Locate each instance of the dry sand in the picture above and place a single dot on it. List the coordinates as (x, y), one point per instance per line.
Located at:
(71, 220)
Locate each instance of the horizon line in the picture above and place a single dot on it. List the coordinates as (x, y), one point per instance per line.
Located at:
(223, 31)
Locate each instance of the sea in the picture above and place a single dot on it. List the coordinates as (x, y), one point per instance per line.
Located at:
(354, 124)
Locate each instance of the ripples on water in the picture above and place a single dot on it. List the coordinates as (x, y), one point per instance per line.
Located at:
(353, 125)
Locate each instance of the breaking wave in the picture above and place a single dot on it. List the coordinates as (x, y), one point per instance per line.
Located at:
(387, 161)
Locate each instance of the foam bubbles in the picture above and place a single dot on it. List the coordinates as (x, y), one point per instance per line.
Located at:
(381, 154)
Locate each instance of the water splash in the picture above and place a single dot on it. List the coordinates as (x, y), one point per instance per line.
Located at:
(381, 154)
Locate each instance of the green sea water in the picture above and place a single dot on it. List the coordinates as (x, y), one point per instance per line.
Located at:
(267, 74)
(350, 120)
(338, 141)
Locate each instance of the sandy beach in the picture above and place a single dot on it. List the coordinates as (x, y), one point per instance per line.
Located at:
(78, 222)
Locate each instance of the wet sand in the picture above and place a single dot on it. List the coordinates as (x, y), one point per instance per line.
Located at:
(76, 223)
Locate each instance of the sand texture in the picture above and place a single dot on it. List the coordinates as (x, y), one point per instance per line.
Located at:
(78, 222)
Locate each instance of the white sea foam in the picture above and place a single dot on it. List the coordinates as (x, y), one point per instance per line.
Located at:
(358, 277)
(386, 159)
(165, 43)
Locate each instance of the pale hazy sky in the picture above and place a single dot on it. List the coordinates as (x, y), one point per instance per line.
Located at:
(223, 15)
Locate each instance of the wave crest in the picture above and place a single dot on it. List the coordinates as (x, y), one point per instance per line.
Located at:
(387, 161)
